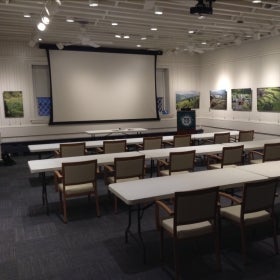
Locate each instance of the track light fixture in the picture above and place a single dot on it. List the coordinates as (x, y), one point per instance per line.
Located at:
(93, 3)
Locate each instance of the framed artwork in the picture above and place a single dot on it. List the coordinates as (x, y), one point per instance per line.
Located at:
(187, 99)
(268, 99)
(13, 104)
(241, 99)
(218, 99)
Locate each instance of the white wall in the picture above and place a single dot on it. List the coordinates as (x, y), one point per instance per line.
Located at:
(250, 65)
(16, 60)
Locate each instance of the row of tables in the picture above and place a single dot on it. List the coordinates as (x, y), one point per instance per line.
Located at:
(142, 192)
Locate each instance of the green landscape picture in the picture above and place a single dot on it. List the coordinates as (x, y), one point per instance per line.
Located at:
(218, 99)
(241, 99)
(187, 100)
(13, 104)
(268, 99)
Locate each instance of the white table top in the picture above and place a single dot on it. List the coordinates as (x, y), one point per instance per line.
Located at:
(117, 130)
(51, 164)
(207, 149)
(270, 169)
(146, 190)
(38, 148)
(199, 150)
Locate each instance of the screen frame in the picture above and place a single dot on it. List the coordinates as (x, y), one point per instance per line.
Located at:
(155, 53)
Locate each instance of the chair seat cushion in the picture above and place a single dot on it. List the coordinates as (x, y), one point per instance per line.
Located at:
(111, 180)
(166, 172)
(218, 166)
(76, 189)
(190, 230)
(254, 161)
(233, 213)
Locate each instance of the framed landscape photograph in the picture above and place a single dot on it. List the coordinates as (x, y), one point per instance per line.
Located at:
(13, 104)
(268, 99)
(241, 99)
(187, 99)
(218, 99)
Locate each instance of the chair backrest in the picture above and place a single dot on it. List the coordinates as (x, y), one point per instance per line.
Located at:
(114, 146)
(72, 149)
(220, 138)
(246, 135)
(182, 140)
(150, 143)
(79, 172)
(195, 206)
(129, 167)
(232, 155)
(271, 152)
(259, 196)
(181, 161)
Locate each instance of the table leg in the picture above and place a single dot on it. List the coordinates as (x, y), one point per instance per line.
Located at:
(44, 191)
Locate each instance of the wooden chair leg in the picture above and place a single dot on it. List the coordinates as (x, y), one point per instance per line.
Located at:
(243, 242)
(97, 204)
(161, 244)
(64, 210)
(275, 236)
(157, 217)
(115, 204)
(176, 261)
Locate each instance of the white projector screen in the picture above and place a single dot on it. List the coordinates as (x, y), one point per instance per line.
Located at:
(102, 86)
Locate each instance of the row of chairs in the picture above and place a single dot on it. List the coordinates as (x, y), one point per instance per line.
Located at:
(189, 220)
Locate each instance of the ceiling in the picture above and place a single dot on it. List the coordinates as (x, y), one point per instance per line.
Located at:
(232, 22)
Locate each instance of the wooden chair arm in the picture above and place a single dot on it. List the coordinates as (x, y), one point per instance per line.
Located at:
(214, 157)
(230, 197)
(167, 143)
(139, 146)
(58, 174)
(252, 153)
(160, 204)
(108, 168)
(99, 150)
(56, 153)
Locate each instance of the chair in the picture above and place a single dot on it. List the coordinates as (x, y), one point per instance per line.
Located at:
(77, 179)
(270, 152)
(124, 169)
(231, 157)
(179, 162)
(112, 146)
(180, 140)
(246, 135)
(69, 150)
(150, 143)
(191, 220)
(255, 207)
(220, 138)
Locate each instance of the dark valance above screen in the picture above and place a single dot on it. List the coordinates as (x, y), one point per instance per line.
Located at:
(102, 86)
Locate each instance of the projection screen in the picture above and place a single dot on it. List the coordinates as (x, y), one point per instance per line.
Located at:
(102, 86)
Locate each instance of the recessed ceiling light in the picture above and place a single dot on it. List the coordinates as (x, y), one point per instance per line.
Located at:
(158, 11)
(191, 31)
(154, 29)
(118, 36)
(114, 23)
(144, 38)
(40, 39)
(201, 17)
(27, 15)
(45, 20)
(256, 1)
(203, 43)
(126, 36)
(41, 26)
(70, 20)
(138, 46)
(93, 3)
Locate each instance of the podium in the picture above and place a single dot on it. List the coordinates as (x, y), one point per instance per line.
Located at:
(186, 122)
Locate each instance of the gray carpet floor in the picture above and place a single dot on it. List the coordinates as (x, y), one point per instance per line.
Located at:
(34, 245)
